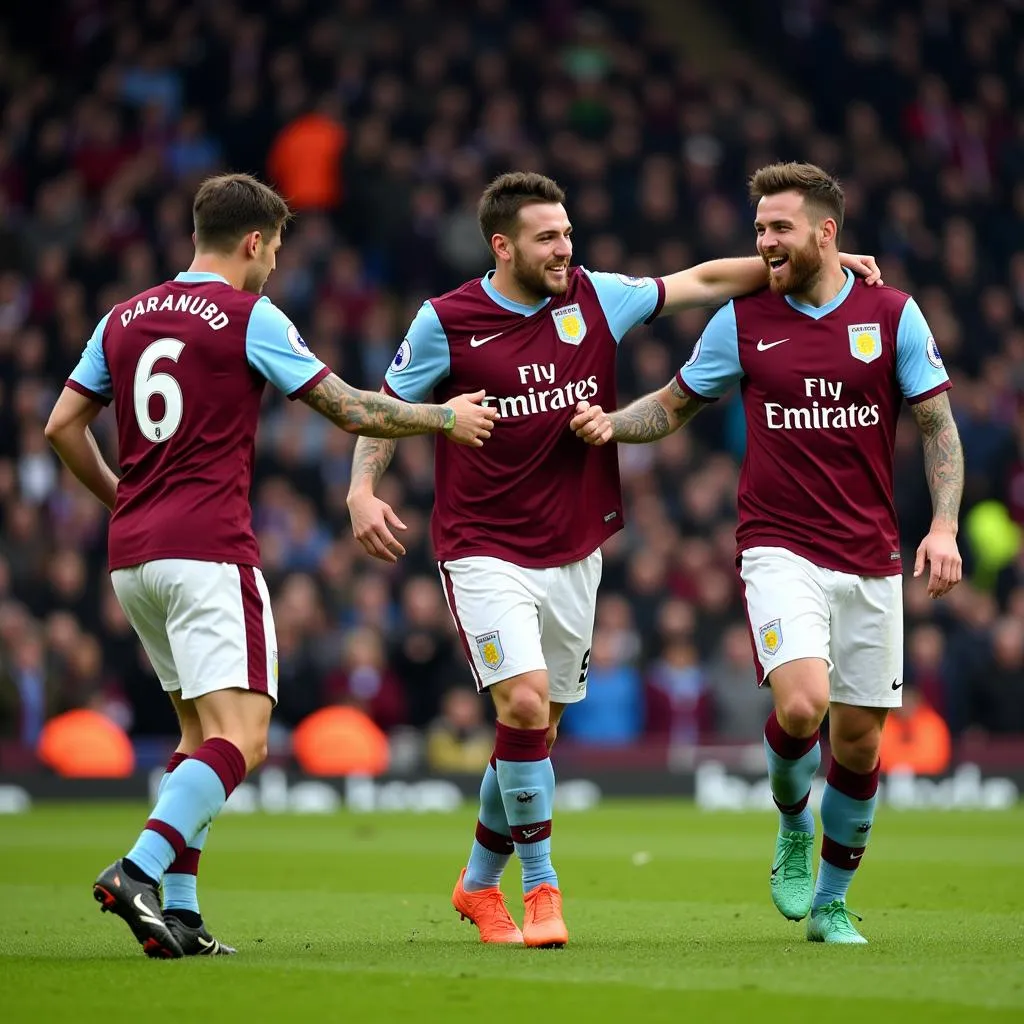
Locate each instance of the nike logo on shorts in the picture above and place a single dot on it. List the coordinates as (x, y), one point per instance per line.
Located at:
(896, 685)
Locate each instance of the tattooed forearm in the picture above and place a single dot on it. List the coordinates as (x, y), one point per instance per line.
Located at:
(655, 415)
(371, 459)
(943, 458)
(370, 412)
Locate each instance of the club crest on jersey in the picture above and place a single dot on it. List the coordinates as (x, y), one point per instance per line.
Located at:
(491, 652)
(569, 324)
(865, 341)
(771, 636)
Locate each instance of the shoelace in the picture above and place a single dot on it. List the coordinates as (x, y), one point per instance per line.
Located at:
(790, 847)
(548, 906)
(838, 909)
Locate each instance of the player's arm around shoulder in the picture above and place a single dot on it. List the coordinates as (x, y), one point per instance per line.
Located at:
(716, 281)
(650, 418)
(944, 467)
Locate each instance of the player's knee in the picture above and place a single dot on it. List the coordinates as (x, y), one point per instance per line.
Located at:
(859, 754)
(526, 708)
(800, 714)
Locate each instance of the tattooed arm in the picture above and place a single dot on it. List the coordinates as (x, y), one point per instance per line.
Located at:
(647, 419)
(944, 467)
(376, 414)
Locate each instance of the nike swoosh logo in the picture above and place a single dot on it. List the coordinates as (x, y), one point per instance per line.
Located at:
(148, 915)
(476, 342)
(856, 856)
(762, 347)
(896, 685)
(529, 833)
(207, 945)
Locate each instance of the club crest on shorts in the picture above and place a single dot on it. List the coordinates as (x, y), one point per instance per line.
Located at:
(569, 324)
(865, 341)
(489, 646)
(771, 636)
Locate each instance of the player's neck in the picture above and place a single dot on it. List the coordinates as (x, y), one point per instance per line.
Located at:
(509, 288)
(829, 284)
(207, 263)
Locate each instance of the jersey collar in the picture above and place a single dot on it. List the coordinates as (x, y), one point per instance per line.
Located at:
(513, 307)
(817, 312)
(199, 277)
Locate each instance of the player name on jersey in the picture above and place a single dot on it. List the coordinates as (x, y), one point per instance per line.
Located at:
(196, 305)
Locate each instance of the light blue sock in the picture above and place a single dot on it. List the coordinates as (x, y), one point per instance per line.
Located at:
(832, 884)
(179, 887)
(791, 783)
(847, 816)
(528, 791)
(492, 848)
(189, 799)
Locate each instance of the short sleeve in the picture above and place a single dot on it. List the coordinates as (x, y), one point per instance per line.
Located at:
(275, 348)
(918, 361)
(627, 301)
(91, 376)
(714, 364)
(422, 360)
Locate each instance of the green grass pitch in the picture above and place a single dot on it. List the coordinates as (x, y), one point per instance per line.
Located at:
(346, 917)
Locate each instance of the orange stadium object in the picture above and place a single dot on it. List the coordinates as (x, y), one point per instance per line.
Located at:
(84, 744)
(340, 741)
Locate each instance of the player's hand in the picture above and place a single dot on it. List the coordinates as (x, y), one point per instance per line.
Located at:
(862, 266)
(939, 550)
(372, 523)
(473, 421)
(591, 424)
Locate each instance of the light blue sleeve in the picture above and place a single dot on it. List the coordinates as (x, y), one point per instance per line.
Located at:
(92, 371)
(423, 358)
(918, 361)
(626, 301)
(274, 346)
(714, 364)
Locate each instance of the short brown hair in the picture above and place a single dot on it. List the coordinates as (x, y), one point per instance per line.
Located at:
(498, 212)
(818, 187)
(227, 207)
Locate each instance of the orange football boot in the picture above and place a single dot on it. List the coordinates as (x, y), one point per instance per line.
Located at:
(486, 909)
(543, 926)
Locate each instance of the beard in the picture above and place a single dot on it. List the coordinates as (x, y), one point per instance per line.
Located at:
(532, 279)
(801, 271)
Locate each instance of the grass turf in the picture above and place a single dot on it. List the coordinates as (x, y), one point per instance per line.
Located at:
(347, 917)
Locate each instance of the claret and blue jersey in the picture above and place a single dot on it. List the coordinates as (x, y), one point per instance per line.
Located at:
(534, 494)
(822, 389)
(186, 364)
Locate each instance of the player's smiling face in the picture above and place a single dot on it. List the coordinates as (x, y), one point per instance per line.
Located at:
(787, 240)
(542, 250)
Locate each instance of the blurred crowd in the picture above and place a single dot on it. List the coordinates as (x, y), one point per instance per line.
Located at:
(382, 125)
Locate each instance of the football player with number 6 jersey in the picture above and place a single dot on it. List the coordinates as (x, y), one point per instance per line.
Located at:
(823, 364)
(185, 365)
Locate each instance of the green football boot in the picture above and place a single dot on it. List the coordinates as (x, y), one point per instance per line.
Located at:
(792, 884)
(831, 923)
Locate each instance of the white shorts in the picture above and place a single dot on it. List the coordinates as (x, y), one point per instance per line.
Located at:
(513, 620)
(205, 625)
(796, 609)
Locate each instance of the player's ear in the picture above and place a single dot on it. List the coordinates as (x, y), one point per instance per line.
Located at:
(252, 244)
(827, 231)
(500, 244)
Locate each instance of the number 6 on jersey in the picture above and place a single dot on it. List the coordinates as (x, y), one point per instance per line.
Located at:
(148, 384)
